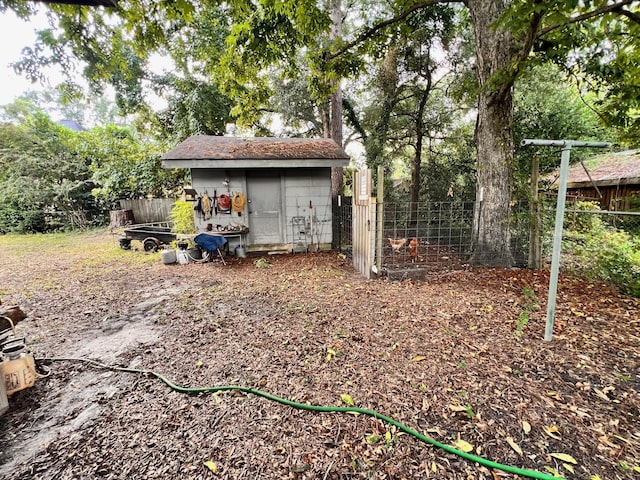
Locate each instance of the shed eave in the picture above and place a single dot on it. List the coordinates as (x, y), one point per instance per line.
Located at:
(255, 163)
(605, 183)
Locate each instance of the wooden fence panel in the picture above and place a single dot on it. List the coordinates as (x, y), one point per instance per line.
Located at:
(149, 210)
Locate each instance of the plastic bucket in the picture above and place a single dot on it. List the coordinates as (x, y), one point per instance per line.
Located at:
(241, 252)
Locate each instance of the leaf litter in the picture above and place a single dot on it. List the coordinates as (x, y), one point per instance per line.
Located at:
(408, 350)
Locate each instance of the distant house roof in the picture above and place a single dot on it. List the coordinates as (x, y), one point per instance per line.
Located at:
(72, 124)
(208, 151)
(622, 168)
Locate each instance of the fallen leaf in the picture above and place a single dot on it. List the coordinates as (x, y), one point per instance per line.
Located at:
(300, 468)
(346, 398)
(418, 358)
(622, 439)
(595, 477)
(568, 467)
(463, 445)
(434, 467)
(199, 363)
(526, 426)
(457, 408)
(605, 441)
(564, 457)
(514, 445)
(373, 438)
(213, 466)
(602, 395)
(636, 469)
(551, 431)
(552, 470)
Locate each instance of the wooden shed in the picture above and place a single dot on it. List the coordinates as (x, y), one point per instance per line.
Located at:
(275, 191)
(616, 176)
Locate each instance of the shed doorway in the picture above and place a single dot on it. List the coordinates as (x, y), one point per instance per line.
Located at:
(264, 194)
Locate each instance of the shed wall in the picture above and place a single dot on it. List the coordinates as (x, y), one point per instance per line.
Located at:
(614, 197)
(306, 208)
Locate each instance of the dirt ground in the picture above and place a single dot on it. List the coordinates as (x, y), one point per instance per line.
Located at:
(459, 357)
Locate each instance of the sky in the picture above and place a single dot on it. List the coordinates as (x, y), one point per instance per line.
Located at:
(15, 34)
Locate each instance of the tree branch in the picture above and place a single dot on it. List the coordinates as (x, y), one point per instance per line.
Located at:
(367, 34)
(613, 8)
(630, 15)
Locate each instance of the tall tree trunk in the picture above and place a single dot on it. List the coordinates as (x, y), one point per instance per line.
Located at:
(417, 158)
(494, 140)
(336, 102)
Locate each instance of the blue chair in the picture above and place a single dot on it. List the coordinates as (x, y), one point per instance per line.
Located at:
(211, 243)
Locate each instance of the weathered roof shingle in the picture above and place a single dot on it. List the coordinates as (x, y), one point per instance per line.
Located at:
(208, 151)
(622, 168)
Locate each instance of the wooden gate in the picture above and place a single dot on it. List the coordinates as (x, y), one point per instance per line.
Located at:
(364, 224)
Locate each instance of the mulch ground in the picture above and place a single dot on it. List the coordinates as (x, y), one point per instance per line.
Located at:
(459, 357)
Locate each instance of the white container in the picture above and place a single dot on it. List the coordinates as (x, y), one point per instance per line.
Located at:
(182, 256)
(169, 257)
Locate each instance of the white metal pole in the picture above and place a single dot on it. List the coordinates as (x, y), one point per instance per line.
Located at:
(557, 242)
(560, 208)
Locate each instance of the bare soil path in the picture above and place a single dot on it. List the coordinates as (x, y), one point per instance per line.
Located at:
(459, 357)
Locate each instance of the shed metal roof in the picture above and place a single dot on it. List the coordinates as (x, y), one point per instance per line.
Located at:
(622, 168)
(208, 151)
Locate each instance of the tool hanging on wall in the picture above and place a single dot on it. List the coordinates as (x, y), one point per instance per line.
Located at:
(224, 203)
(238, 202)
(206, 206)
(197, 207)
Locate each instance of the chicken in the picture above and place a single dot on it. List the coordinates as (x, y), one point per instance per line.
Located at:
(397, 243)
(413, 249)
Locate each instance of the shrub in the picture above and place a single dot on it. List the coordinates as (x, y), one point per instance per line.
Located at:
(22, 221)
(601, 252)
(182, 217)
(617, 260)
(585, 223)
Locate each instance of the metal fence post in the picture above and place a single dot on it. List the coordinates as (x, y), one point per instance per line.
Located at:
(557, 236)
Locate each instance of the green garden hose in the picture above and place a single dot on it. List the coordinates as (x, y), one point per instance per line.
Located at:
(319, 408)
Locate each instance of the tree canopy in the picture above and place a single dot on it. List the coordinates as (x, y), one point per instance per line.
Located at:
(53, 177)
(231, 59)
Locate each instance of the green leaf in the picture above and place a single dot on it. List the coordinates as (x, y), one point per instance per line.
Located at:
(346, 398)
